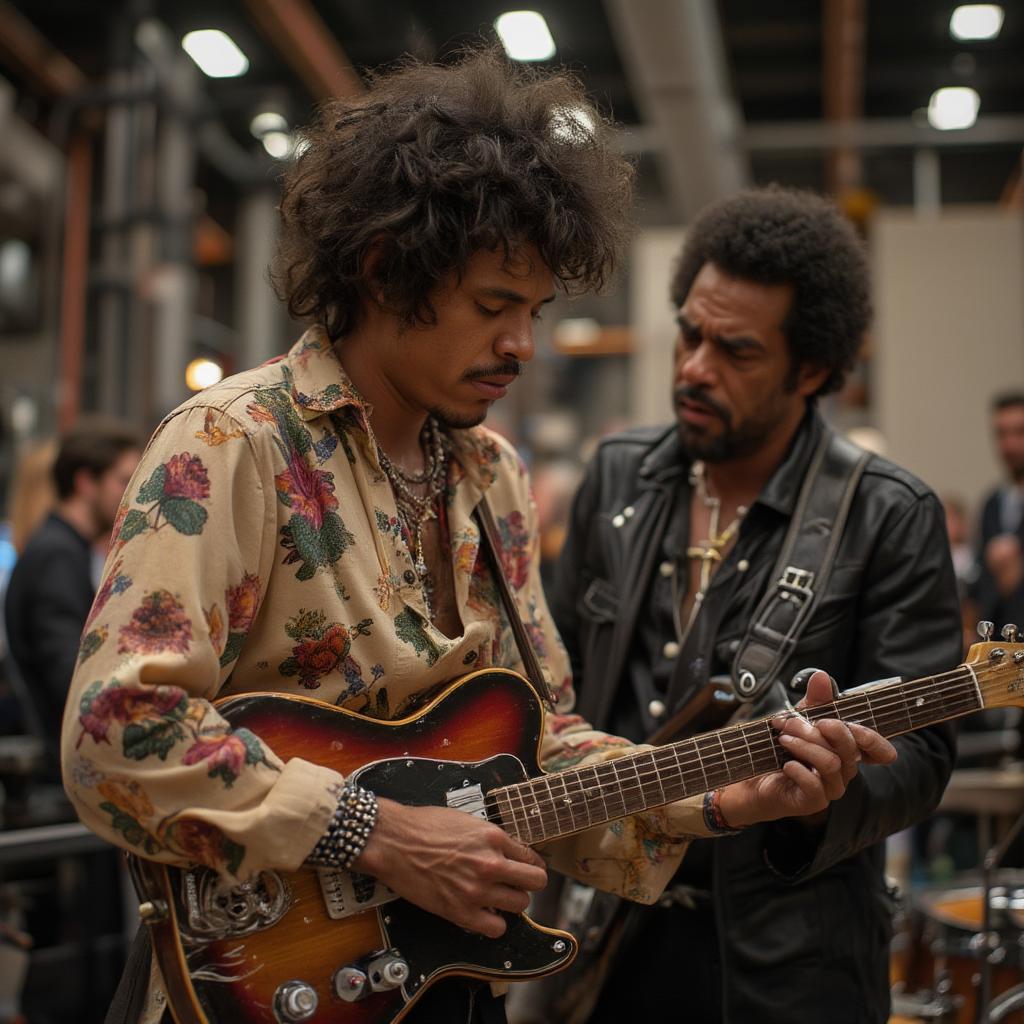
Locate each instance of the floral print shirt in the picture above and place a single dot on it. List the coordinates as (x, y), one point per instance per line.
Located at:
(258, 548)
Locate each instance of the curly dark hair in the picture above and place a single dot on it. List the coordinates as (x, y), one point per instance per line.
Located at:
(777, 235)
(436, 162)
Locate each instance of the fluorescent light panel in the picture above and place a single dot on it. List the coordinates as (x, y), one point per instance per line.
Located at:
(976, 21)
(525, 35)
(216, 53)
(953, 107)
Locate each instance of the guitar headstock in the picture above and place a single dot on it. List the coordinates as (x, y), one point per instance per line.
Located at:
(998, 667)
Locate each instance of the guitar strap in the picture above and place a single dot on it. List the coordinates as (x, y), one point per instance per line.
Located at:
(802, 570)
(492, 545)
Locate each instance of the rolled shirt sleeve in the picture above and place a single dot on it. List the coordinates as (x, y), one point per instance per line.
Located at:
(148, 762)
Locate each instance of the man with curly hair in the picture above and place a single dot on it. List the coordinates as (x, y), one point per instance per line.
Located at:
(307, 527)
(672, 541)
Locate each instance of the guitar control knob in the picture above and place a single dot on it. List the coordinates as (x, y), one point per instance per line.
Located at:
(387, 971)
(1009, 633)
(295, 1001)
(350, 984)
(985, 629)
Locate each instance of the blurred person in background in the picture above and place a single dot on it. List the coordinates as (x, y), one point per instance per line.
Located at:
(965, 563)
(33, 492)
(30, 498)
(307, 526)
(51, 587)
(999, 589)
(672, 539)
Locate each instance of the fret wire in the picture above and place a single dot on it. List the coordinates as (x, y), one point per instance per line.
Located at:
(662, 799)
(528, 837)
(704, 774)
(578, 798)
(888, 708)
(544, 780)
(750, 753)
(598, 791)
(608, 772)
(620, 787)
(562, 803)
(506, 797)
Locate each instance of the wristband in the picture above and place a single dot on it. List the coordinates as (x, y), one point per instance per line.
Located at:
(348, 830)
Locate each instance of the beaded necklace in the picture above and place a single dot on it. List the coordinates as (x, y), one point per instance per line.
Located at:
(415, 510)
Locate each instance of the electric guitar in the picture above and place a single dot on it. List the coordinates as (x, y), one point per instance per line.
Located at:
(332, 947)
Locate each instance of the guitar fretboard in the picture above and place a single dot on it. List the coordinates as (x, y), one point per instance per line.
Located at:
(559, 804)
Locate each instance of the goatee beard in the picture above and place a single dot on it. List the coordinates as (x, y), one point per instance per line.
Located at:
(449, 420)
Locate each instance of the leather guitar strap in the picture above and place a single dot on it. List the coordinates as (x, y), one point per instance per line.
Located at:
(801, 573)
(492, 545)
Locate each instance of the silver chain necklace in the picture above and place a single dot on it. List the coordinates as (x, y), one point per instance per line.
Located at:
(415, 510)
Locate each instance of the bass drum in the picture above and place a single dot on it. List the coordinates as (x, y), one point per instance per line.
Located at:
(941, 974)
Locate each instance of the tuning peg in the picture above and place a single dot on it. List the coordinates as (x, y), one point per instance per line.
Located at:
(985, 629)
(1009, 633)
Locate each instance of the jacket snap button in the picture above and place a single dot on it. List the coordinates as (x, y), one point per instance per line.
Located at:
(667, 568)
(671, 649)
(618, 521)
(656, 709)
(743, 565)
(629, 511)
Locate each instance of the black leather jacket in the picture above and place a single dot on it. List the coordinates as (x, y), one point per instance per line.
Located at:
(803, 930)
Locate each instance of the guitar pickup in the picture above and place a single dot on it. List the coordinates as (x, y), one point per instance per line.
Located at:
(350, 892)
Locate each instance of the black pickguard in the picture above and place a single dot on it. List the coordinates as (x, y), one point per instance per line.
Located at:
(431, 945)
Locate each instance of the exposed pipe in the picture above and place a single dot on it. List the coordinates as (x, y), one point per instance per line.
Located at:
(71, 341)
(843, 87)
(308, 45)
(675, 59)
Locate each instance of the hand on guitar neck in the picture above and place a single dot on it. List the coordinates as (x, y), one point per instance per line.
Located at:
(452, 864)
(827, 756)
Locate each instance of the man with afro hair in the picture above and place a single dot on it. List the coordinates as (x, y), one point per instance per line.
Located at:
(671, 547)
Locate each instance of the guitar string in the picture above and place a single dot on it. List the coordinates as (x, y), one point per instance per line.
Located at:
(607, 795)
(624, 791)
(898, 698)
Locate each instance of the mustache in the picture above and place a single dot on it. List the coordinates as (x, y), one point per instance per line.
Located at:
(512, 367)
(700, 397)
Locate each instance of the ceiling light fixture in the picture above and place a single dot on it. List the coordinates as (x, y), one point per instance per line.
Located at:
(525, 35)
(216, 53)
(267, 121)
(953, 107)
(976, 21)
(201, 373)
(278, 144)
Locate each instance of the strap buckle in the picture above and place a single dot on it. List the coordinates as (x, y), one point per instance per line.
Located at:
(796, 582)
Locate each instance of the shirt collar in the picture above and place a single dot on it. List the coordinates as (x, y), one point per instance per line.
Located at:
(318, 382)
(320, 386)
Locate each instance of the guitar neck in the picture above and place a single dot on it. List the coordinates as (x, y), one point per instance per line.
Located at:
(570, 801)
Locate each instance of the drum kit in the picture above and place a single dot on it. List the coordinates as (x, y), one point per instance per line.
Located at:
(959, 959)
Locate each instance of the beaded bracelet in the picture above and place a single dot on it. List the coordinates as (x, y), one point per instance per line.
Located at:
(713, 816)
(348, 830)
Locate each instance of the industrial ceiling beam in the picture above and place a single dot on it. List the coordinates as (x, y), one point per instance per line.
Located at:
(27, 50)
(878, 133)
(308, 45)
(675, 60)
